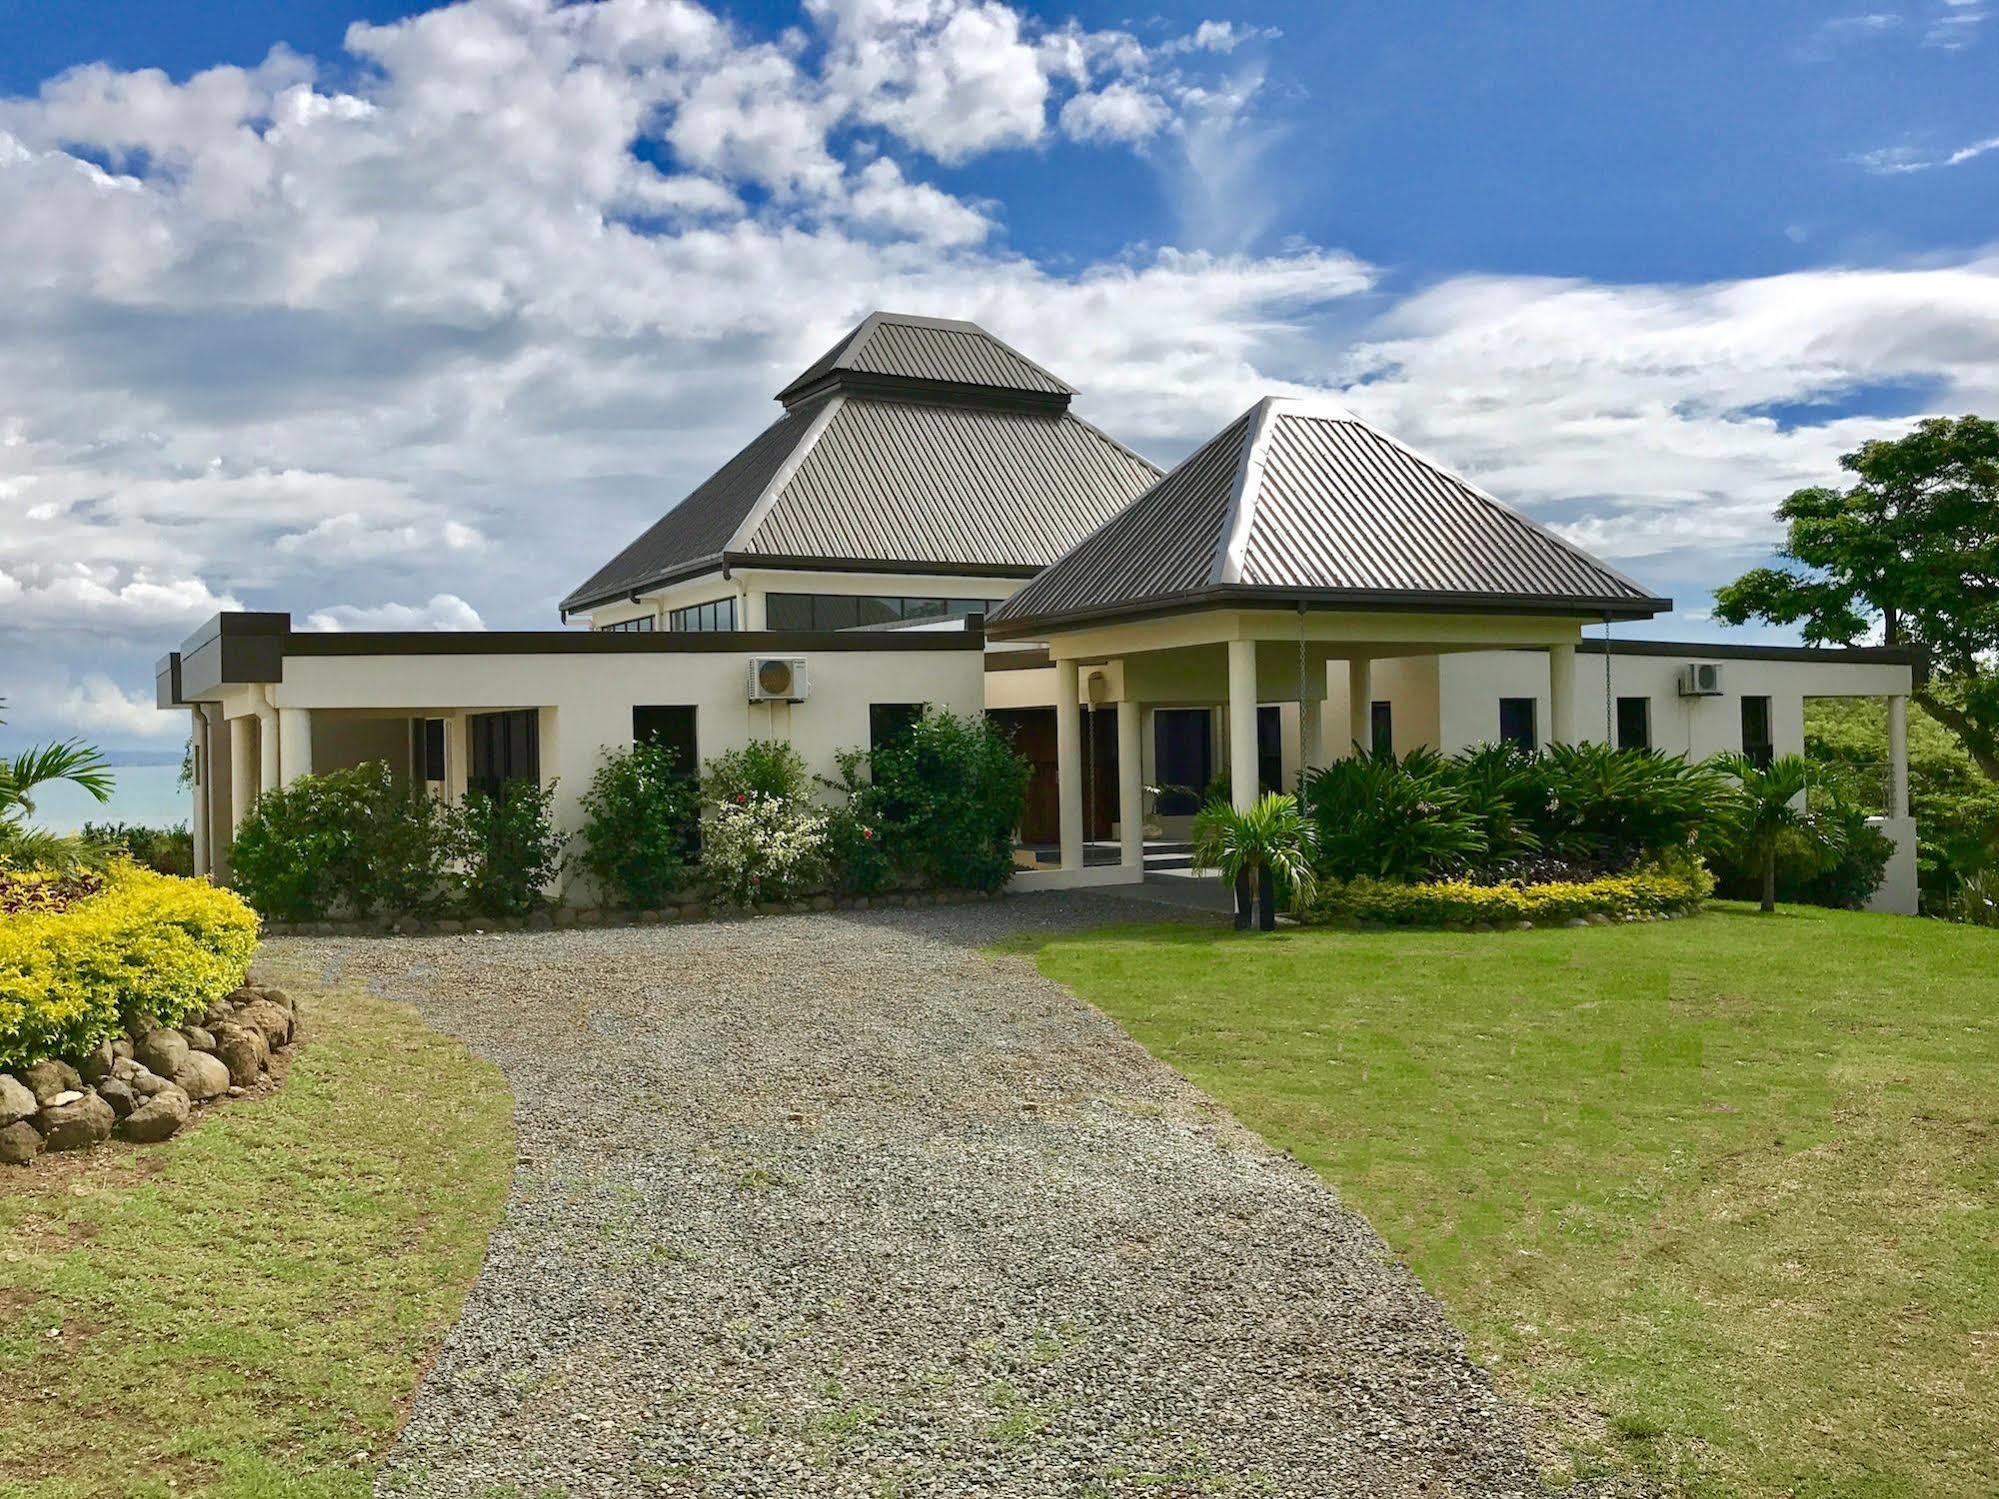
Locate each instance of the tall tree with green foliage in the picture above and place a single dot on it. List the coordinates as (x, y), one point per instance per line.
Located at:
(1911, 546)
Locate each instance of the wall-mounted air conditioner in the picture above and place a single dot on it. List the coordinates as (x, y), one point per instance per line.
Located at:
(779, 679)
(1700, 679)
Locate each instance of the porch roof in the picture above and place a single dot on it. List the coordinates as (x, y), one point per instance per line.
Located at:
(1302, 503)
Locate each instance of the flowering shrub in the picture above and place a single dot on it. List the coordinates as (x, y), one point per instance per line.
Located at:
(1669, 887)
(757, 849)
(144, 947)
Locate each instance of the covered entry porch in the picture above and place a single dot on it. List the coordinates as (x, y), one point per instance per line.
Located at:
(1285, 691)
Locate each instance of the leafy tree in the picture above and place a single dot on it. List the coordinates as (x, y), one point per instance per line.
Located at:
(640, 823)
(1911, 546)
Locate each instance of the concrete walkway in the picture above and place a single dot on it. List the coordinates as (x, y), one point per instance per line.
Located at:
(845, 1205)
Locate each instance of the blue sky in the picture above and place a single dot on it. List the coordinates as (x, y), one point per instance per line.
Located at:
(410, 324)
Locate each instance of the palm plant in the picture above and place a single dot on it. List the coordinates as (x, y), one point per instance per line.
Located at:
(1256, 850)
(73, 761)
(1770, 806)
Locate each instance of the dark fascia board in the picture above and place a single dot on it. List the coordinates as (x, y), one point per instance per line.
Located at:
(1709, 650)
(233, 648)
(1331, 600)
(628, 592)
(928, 392)
(621, 642)
(785, 561)
(166, 682)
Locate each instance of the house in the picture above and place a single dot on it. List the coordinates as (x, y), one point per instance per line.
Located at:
(928, 522)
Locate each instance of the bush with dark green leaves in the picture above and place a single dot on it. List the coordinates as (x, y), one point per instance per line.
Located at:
(857, 848)
(641, 819)
(1830, 858)
(1379, 817)
(508, 847)
(763, 767)
(942, 799)
(352, 842)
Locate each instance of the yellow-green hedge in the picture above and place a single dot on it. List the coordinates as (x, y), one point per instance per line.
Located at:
(1661, 890)
(147, 945)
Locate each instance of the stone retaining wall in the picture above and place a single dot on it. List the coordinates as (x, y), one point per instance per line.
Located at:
(146, 1088)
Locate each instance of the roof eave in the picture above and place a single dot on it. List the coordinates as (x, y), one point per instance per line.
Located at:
(1002, 627)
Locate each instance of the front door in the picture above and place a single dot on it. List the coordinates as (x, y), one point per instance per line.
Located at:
(1033, 733)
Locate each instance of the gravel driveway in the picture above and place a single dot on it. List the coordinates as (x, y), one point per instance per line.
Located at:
(842, 1204)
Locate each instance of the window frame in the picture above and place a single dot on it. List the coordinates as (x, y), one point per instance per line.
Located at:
(1531, 744)
(1644, 706)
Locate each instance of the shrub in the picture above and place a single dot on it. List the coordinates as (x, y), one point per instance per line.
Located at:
(145, 948)
(857, 841)
(640, 820)
(509, 847)
(949, 792)
(354, 839)
(1382, 818)
(763, 767)
(162, 850)
(295, 848)
(1668, 887)
(760, 849)
(1613, 806)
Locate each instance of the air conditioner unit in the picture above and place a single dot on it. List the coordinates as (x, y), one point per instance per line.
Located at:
(778, 679)
(1700, 679)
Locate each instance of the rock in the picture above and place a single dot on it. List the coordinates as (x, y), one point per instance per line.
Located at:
(20, 1143)
(77, 1125)
(99, 1063)
(201, 1077)
(161, 1051)
(46, 1079)
(146, 1084)
(121, 1048)
(199, 1037)
(1574, 923)
(268, 1018)
(17, 1100)
(277, 997)
(124, 1069)
(540, 921)
(159, 1117)
(243, 1050)
(68, 1095)
(120, 1094)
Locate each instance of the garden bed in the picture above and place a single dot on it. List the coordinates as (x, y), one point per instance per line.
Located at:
(1658, 894)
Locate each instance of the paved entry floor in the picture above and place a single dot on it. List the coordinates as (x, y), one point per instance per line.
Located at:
(843, 1204)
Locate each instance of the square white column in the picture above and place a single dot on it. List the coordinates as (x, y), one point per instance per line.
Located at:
(1069, 763)
(1242, 723)
(242, 768)
(1360, 705)
(1561, 694)
(1898, 757)
(294, 744)
(1131, 786)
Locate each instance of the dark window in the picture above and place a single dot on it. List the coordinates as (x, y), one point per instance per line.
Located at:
(1757, 742)
(645, 624)
(1381, 727)
(1516, 723)
(672, 726)
(888, 722)
(1269, 748)
(1183, 758)
(428, 734)
(841, 611)
(718, 614)
(1634, 723)
(504, 747)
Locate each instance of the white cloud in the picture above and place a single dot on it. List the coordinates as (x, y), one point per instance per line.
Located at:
(1119, 112)
(883, 199)
(1955, 26)
(445, 611)
(1900, 160)
(99, 706)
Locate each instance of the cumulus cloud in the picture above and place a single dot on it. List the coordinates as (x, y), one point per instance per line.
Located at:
(99, 706)
(453, 316)
(445, 611)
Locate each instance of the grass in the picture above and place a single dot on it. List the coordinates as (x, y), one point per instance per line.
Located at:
(1716, 1197)
(245, 1310)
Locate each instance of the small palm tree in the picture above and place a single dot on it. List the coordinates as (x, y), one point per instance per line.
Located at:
(72, 761)
(1269, 843)
(1770, 807)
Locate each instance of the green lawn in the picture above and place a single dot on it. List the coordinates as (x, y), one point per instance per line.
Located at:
(244, 1310)
(1717, 1197)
